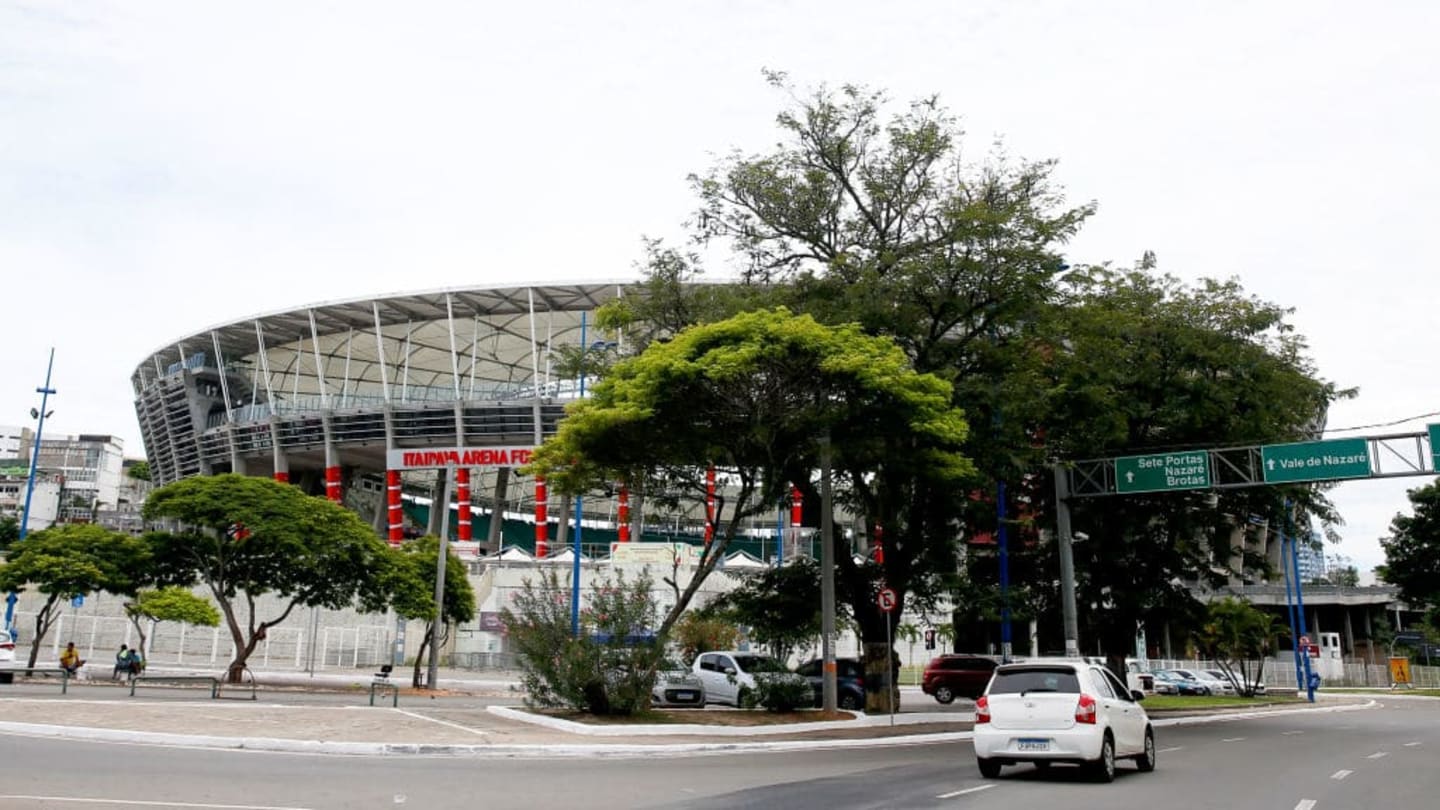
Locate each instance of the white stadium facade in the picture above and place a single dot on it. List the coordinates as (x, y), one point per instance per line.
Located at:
(338, 397)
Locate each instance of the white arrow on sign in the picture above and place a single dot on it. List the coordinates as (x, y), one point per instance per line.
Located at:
(1270, 464)
(1129, 477)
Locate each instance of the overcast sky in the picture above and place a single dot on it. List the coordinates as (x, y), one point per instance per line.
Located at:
(165, 166)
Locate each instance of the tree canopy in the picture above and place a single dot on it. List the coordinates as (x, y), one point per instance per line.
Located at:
(1412, 550)
(71, 560)
(411, 585)
(242, 537)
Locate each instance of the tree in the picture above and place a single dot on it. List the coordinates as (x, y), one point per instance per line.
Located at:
(67, 561)
(1138, 362)
(781, 606)
(701, 630)
(1412, 550)
(171, 604)
(751, 395)
(911, 634)
(9, 532)
(412, 589)
(1234, 634)
(241, 537)
(139, 471)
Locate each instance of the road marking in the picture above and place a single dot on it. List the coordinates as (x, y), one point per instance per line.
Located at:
(144, 803)
(1413, 744)
(952, 794)
(1290, 733)
(1340, 774)
(1171, 748)
(442, 722)
(1232, 739)
(1305, 804)
(1379, 755)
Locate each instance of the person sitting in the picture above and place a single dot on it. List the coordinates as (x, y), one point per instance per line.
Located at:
(70, 660)
(122, 662)
(137, 661)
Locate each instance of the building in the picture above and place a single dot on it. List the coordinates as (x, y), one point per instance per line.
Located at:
(11, 439)
(87, 469)
(1310, 559)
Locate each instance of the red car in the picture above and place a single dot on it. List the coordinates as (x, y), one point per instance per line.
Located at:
(951, 676)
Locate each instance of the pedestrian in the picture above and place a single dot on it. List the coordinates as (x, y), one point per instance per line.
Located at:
(70, 660)
(137, 661)
(122, 662)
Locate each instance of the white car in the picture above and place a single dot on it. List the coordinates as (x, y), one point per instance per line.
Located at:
(1216, 685)
(1256, 687)
(7, 647)
(729, 675)
(1063, 710)
(677, 687)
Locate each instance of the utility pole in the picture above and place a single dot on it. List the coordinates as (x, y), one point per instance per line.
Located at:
(828, 690)
(433, 674)
(1067, 562)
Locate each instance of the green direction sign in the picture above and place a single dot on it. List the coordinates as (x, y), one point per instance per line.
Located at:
(1316, 461)
(1188, 469)
(1434, 447)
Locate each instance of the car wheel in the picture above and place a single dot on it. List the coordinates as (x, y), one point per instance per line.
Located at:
(944, 694)
(1146, 761)
(850, 702)
(989, 768)
(1103, 769)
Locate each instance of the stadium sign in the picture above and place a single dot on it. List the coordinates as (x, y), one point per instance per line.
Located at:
(431, 457)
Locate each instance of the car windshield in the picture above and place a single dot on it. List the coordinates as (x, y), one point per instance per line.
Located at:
(759, 663)
(1034, 679)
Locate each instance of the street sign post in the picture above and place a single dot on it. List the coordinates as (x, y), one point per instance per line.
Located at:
(1315, 461)
(1163, 472)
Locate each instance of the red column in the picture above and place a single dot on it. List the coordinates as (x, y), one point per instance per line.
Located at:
(624, 528)
(282, 476)
(879, 544)
(542, 525)
(797, 511)
(709, 503)
(462, 498)
(332, 484)
(393, 507)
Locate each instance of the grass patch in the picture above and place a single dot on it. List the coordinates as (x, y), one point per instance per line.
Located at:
(1181, 702)
(703, 717)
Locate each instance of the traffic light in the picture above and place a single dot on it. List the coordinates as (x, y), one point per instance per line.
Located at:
(930, 638)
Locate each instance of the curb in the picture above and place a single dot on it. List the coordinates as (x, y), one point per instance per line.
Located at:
(618, 750)
(695, 729)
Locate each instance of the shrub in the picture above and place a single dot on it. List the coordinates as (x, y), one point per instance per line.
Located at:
(781, 693)
(698, 632)
(609, 669)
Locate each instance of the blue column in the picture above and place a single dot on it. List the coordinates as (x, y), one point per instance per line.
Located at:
(579, 505)
(1299, 601)
(1290, 609)
(44, 393)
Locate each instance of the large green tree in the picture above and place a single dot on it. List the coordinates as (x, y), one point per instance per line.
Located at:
(412, 588)
(753, 395)
(1139, 362)
(242, 537)
(71, 560)
(1412, 550)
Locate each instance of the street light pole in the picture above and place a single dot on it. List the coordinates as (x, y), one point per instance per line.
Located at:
(828, 691)
(1067, 562)
(44, 393)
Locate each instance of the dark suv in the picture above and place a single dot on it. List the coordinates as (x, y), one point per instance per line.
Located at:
(849, 681)
(949, 676)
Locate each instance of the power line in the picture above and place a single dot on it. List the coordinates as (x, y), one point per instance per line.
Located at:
(1383, 424)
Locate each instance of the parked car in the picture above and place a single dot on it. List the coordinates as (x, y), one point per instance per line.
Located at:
(729, 675)
(1136, 676)
(947, 677)
(1256, 687)
(849, 681)
(1217, 686)
(1061, 710)
(677, 687)
(7, 648)
(1177, 684)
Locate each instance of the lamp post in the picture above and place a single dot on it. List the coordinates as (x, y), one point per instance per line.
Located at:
(39, 415)
(599, 345)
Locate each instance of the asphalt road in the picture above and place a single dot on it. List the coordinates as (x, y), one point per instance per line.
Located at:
(1380, 758)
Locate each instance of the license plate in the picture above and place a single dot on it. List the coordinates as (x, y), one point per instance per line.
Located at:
(685, 695)
(1033, 745)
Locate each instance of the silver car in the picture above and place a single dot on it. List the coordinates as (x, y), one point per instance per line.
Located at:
(676, 688)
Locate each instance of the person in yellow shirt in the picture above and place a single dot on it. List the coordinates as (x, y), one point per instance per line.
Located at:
(70, 660)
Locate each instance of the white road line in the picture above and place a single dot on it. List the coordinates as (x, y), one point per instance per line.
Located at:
(1379, 755)
(442, 722)
(1413, 744)
(952, 794)
(1232, 739)
(1171, 748)
(1290, 733)
(1340, 774)
(1305, 804)
(144, 803)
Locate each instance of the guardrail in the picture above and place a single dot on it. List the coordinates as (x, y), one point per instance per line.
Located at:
(7, 675)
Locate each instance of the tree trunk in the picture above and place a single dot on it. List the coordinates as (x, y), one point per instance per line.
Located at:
(43, 620)
(420, 655)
